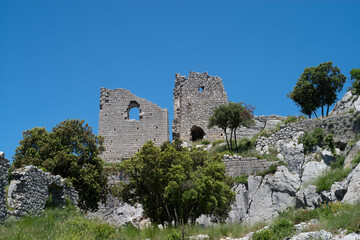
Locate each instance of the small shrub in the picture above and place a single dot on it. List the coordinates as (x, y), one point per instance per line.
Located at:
(241, 179)
(338, 162)
(290, 119)
(283, 228)
(245, 144)
(352, 110)
(356, 160)
(324, 181)
(312, 139)
(272, 169)
(174, 235)
(265, 234)
(216, 142)
(205, 142)
(329, 141)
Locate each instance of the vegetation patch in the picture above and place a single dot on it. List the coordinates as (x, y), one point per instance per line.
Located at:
(324, 181)
(312, 139)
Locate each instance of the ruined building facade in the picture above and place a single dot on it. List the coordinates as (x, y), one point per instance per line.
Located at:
(195, 98)
(124, 136)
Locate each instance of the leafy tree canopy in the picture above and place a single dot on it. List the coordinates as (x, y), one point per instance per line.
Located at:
(231, 116)
(317, 87)
(71, 150)
(355, 76)
(176, 184)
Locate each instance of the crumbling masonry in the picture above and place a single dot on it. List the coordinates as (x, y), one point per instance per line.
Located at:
(195, 98)
(124, 136)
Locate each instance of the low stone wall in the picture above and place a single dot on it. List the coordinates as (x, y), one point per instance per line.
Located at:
(344, 127)
(4, 166)
(237, 166)
(30, 187)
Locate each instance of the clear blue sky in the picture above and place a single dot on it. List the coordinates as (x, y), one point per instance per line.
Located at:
(55, 55)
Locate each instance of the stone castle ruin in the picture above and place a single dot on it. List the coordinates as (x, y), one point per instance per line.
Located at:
(124, 136)
(195, 98)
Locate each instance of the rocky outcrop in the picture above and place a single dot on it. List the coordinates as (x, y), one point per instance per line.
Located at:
(119, 213)
(30, 187)
(313, 169)
(348, 102)
(353, 190)
(271, 194)
(4, 166)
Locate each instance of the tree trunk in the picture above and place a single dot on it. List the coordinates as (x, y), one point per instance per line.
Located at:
(231, 143)
(227, 142)
(236, 147)
(322, 110)
(315, 114)
(327, 111)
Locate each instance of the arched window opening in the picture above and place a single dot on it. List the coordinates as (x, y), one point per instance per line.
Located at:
(133, 111)
(197, 133)
(201, 88)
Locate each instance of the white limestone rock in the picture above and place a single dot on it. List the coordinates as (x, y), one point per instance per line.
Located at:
(271, 194)
(240, 207)
(353, 190)
(349, 101)
(294, 156)
(308, 197)
(312, 170)
(352, 153)
(324, 235)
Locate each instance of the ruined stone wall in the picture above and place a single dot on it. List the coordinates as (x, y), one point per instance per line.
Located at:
(344, 127)
(195, 98)
(4, 166)
(30, 187)
(237, 165)
(123, 136)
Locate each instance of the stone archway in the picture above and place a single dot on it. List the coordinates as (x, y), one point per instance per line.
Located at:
(197, 133)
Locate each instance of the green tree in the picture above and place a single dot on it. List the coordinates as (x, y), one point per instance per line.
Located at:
(355, 76)
(232, 116)
(318, 87)
(176, 184)
(71, 150)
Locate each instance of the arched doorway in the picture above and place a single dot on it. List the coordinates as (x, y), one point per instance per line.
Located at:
(197, 133)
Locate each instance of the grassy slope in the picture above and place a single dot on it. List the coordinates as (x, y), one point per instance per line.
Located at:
(70, 224)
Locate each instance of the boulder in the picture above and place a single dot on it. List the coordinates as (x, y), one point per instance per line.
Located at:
(352, 194)
(324, 235)
(240, 207)
(349, 101)
(294, 155)
(271, 194)
(352, 153)
(312, 170)
(308, 197)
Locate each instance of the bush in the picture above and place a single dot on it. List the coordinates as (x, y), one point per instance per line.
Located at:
(283, 228)
(290, 119)
(324, 181)
(356, 160)
(338, 162)
(271, 169)
(312, 139)
(70, 150)
(329, 141)
(265, 234)
(205, 142)
(241, 179)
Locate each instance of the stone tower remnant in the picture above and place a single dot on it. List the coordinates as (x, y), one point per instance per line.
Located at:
(124, 136)
(195, 98)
